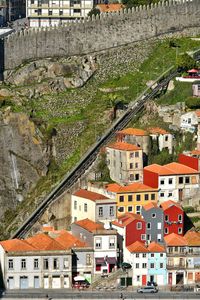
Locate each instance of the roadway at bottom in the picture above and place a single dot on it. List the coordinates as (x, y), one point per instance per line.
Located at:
(87, 295)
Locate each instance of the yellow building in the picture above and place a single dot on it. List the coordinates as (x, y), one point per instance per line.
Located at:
(132, 197)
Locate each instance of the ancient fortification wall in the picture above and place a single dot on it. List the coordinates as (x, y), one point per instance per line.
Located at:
(101, 33)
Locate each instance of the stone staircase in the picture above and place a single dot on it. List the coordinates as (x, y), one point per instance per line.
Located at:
(109, 281)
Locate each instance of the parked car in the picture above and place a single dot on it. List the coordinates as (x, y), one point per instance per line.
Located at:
(147, 289)
(126, 266)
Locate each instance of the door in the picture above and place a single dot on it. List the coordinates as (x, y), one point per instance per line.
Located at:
(180, 194)
(36, 282)
(144, 279)
(170, 278)
(56, 282)
(46, 282)
(10, 283)
(23, 282)
(66, 282)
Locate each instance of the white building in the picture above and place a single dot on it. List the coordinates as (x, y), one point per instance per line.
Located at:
(164, 138)
(45, 13)
(189, 121)
(94, 206)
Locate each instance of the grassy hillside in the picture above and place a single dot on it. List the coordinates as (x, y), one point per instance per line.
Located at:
(130, 68)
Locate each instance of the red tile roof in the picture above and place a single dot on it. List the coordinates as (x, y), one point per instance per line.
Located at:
(192, 238)
(169, 203)
(132, 188)
(157, 130)
(126, 219)
(89, 225)
(173, 168)
(17, 245)
(174, 239)
(137, 247)
(133, 131)
(90, 195)
(44, 242)
(68, 241)
(110, 7)
(195, 152)
(155, 247)
(150, 205)
(124, 146)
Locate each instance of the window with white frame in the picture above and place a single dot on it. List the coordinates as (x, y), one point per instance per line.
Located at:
(166, 218)
(137, 255)
(111, 243)
(88, 259)
(130, 208)
(144, 255)
(159, 225)
(111, 211)
(162, 195)
(98, 243)
(121, 209)
(152, 265)
(139, 225)
(55, 263)
(159, 236)
(23, 263)
(148, 225)
(138, 277)
(180, 231)
(138, 209)
(153, 215)
(46, 263)
(10, 264)
(162, 181)
(170, 181)
(85, 207)
(75, 204)
(166, 230)
(65, 263)
(137, 265)
(143, 237)
(161, 265)
(100, 211)
(36, 264)
(144, 265)
(152, 254)
(180, 218)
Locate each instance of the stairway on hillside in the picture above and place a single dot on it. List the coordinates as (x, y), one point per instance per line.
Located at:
(109, 281)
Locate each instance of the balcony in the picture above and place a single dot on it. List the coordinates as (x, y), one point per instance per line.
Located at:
(176, 266)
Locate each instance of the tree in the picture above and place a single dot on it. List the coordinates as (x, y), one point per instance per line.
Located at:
(185, 62)
(95, 11)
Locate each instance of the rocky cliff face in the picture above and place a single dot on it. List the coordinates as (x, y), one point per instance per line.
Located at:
(23, 158)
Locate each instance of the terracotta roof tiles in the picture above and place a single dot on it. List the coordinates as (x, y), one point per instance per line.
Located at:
(155, 247)
(133, 131)
(89, 225)
(132, 188)
(169, 203)
(124, 146)
(126, 219)
(174, 239)
(90, 195)
(193, 238)
(137, 247)
(173, 168)
(150, 205)
(44, 242)
(68, 241)
(109, 7)
(157, 130)
(17, 245)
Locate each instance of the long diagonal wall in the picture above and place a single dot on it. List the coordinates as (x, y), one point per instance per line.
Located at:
(102, 33)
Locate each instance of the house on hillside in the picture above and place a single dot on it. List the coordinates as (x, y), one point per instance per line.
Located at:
(173, 218)
(133, 197)
(190, 120)
(96, 207)
(125, 162)
(196, 89)
(103, 241)
(154, 218)
(134, 136)
(163, 137)
(175, 181)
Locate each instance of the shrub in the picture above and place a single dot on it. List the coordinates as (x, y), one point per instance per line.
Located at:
(193, 102)
(189, 209)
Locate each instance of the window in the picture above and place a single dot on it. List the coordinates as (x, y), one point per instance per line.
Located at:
(166, 218)
(46, 263)
(148, 237)
(101, 211)
(144, 255)
(120, 175)
(166, 138)
(50, 13)
(137, 266)
(137, 177)
(121, 209)
(130, 198)
(130, 208)
(166, 231)
(131, 177)
(159, 237)
(77, 11)
(121, 198)
(162, 195)
(161, 255)
(32, 1)
(138, 277)
(65, 263)
(159, 225)
(153, 215)
(180, 218)
(121, 163)
(180, 230)
(146, 197)
(152, 254)
(36, 263)
(60, 12)
(170, 181)
(23, 263)
(148, 225)
(144, 266)
(111, 211)
(138, 197)
(180, 180)
(75, 204)
(10, 264)
(153, 196)
(131, 165)
(88, 259)
(98, 243)
(187, 179)
(75, 219)
(39, 12)
(112, 243)
(136, 165)
(139, 225)
(85, 207)
(170, 194)
(55, 264)
(137, 255)
(131, 155)
(162, 182)
(138, 209)
(143, 237)
(152, 265)
(161, 265)
(136, 154)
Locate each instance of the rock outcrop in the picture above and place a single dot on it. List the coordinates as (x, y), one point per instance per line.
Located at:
(23, 158)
